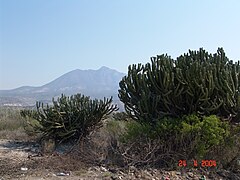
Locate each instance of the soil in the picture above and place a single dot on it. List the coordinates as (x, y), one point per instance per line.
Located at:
(23, 160)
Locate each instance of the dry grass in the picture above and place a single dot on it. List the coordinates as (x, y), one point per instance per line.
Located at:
(12, 124)
(98, 148)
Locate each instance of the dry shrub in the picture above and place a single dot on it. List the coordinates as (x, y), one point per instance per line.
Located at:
(100, 147)
(147, 152)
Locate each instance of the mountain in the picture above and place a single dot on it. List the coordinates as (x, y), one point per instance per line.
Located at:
(100, 83)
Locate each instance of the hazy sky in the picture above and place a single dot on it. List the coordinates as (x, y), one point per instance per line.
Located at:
(43, 39)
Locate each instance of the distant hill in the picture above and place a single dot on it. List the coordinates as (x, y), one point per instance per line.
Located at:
(100, 83)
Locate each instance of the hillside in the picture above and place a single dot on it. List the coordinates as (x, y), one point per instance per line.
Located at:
(95, 83)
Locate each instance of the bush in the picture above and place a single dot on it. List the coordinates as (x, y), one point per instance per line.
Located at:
(69, 118)
(209, 132)
(172, 139)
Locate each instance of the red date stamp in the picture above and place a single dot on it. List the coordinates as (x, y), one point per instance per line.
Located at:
(195, 163)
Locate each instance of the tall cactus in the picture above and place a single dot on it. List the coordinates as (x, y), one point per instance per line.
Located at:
(196, 82)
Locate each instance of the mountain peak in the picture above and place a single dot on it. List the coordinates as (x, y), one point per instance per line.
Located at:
(104, 68)
(103, 82)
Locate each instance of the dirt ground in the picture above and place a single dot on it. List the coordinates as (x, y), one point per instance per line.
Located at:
(23, 160)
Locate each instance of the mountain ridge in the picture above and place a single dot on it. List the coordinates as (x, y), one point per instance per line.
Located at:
(99, 83)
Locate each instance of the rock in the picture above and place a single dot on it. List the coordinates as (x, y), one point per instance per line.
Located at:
(203, 177)
(103, 169)
(122, 173)
(131, 174)
(173, 173)
(165, 178)
(24, 169)
(155, 171)
(238, 162)
(147, 173)
(120, 177)
(190, 174)
(138, 176)
(178, 173)
(132, 169)
(62, 174)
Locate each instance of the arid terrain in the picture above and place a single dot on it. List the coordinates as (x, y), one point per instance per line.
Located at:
(23, 160)
(21, 157)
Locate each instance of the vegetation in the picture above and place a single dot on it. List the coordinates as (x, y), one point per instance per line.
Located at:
(189, 137)
(182, 109)
(197, 82)
(10, 119)
(11, 124)
(69, 118)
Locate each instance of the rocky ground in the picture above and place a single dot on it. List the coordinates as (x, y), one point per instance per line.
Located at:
(23, 160)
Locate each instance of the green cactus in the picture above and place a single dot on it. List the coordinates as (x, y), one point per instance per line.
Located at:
(69, 117)
(196, 82)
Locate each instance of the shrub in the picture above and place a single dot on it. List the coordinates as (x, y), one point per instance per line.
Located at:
(71, 117)
(189, 137)
(208, 132)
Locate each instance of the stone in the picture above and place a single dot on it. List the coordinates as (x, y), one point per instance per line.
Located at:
(190, 174)
(103, 169)
(24, 169)
(203, 177)
(62, 174)
(132, 169)
(178, 173)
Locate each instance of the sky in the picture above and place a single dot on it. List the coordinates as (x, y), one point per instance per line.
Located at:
(41, 40)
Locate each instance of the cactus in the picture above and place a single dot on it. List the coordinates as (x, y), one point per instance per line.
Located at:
(69, 117)
(196, 82)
